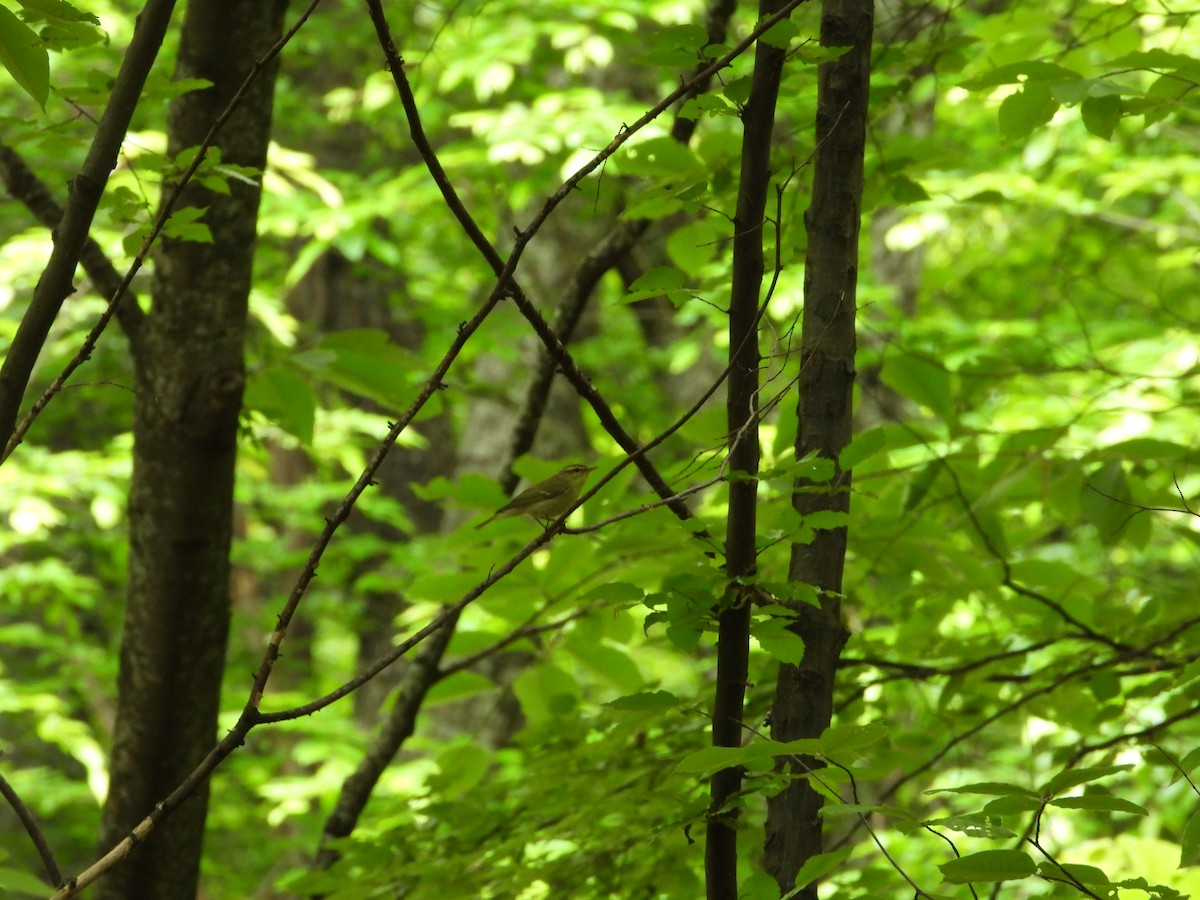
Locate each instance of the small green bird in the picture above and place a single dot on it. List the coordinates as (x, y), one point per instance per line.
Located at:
(547, 499)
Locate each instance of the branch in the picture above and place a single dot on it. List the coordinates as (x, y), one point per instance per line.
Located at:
(505, 271)
(33, 830)
(921, 671)
(1140, 508)
(1006, 570)
(160, 221)
(25, 186)
(604, 256)
(356, 789)
(72, 231)
(524, 631)
(1014, 705)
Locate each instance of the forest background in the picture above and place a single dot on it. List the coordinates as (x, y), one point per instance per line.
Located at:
(721, 270)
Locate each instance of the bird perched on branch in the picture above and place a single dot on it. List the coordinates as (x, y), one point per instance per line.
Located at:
(547, 499)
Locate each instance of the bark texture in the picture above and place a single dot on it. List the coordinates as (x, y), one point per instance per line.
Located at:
(804, 694)
(188, 396)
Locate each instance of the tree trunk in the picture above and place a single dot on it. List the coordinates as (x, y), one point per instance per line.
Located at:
(804, 694)
(741, 411)
(189, 377)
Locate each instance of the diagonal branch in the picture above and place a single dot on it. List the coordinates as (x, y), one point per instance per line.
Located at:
(603, 257)
(505, 270)
(23, 183)
(33, 830)
(71, 232)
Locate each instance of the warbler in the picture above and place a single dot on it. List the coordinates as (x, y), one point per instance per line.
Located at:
(547, 499)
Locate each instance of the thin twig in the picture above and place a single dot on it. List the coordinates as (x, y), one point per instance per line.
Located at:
(33, 830)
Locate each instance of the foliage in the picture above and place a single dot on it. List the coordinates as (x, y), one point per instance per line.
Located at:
(1023, 550)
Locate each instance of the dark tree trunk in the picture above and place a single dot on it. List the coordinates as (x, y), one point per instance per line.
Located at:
(804, 694)
(733, 627)
(189, 375)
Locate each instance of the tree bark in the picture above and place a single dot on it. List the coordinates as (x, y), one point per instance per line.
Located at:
(804, 694)
(188, 397)
(733, 626)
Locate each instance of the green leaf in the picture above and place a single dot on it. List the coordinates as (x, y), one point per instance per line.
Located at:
(714, 759)
(461, 767)
(1028, 72)
(657, 158)
(646, 701)
(1100, 802)
(361, 360)
(975, 825)
(675, 46)
(838, 738)
(921, 380)
(833, 810)
(810, 53)
(737, 91)
(1101, 505)
(862, 447)
(659, 281)
(1101, 115)
(185, 225)
(1190, 759)
(1072, 777)
(1104, 685)
(608, 663)
(284, 397)
(546, 692)
(988, 866)
(22, 883)
(1146, 450)
(693, 245)
(59, 10)
(812, 468)
(775, 638)
(998, 788)
(819, 866)
(781, 34)
(919, 486)
(1189, 843)
(1011, 806)
(712, 105)
(22, 53)
(1088, 875)
(1025, 111)
(903, 189)
(615, 593)
(1154, 59)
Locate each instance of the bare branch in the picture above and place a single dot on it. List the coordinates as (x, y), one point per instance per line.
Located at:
(33, 830)
(71, 232)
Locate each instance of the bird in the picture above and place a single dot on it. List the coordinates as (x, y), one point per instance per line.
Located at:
(547, 499)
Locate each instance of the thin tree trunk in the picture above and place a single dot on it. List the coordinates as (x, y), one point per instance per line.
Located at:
(733, 627)
(804, 694)
(187, 400)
